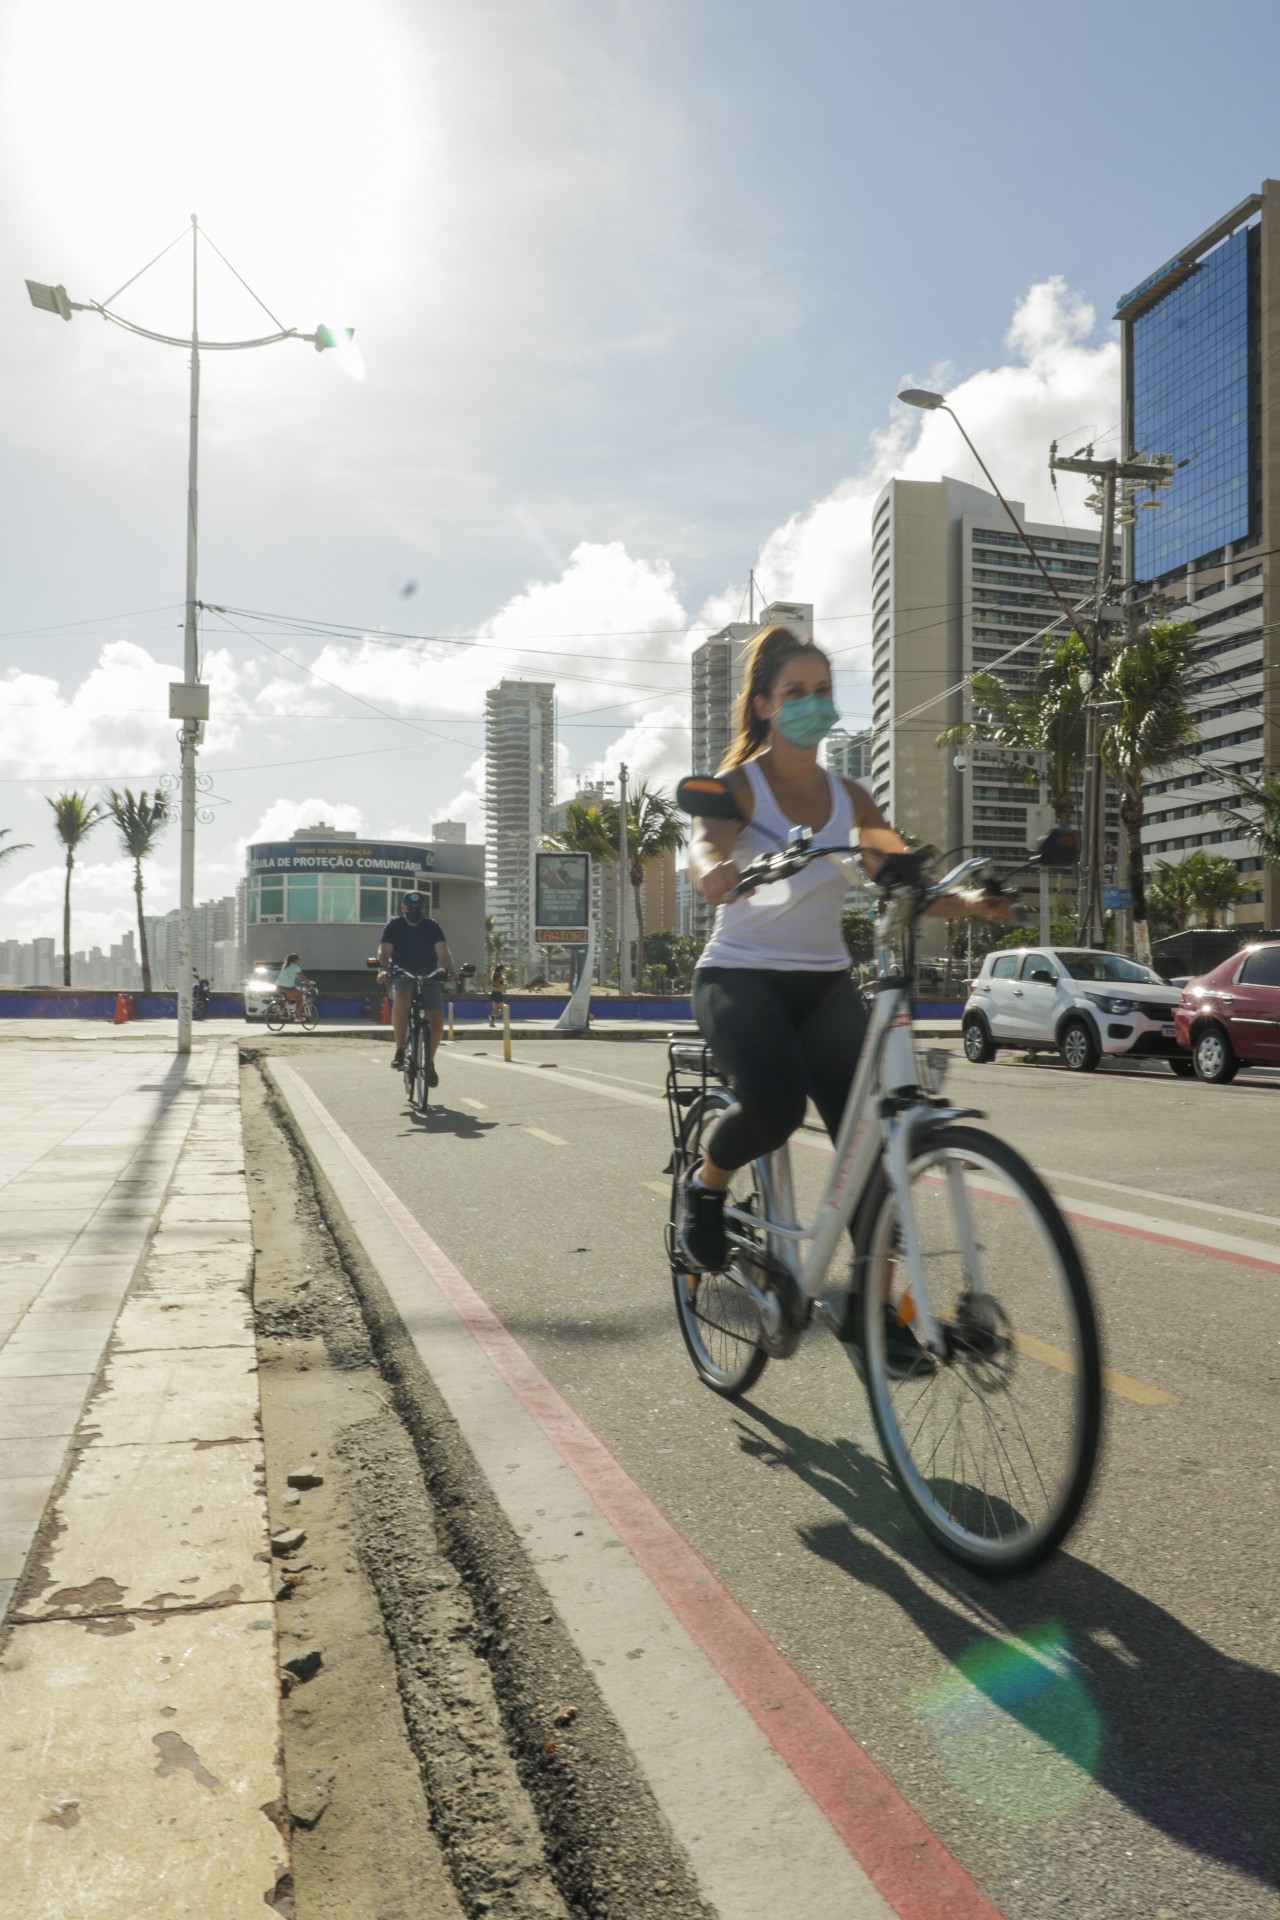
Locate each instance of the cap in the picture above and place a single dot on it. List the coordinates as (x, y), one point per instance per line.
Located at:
(418, 899)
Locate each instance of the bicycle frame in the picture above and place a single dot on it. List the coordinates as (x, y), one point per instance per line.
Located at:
(884, 1111)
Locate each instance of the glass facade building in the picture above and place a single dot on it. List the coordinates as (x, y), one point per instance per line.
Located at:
(1193, 359)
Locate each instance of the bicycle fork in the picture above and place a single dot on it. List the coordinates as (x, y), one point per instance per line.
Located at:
(898, 1150)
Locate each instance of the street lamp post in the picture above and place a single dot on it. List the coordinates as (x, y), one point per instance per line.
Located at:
(188, 698)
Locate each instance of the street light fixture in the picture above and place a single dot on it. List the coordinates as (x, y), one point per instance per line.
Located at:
(188, 698)
(935, 403)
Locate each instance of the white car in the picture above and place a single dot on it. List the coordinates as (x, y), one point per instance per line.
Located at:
(259, 991)
(1082, 1003)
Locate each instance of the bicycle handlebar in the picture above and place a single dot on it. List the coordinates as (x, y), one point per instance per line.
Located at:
(899, 874)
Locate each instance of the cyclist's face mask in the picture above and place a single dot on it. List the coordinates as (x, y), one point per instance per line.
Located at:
(413, 911)
(806, 721)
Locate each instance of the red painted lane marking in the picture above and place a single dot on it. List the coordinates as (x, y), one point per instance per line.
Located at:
(902, 1857)
(1171, 1240)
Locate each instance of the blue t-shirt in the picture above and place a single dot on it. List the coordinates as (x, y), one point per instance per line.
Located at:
(413, 948)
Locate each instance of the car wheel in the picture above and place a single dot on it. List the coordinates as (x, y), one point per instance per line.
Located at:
(1078, 1047)
(978, 1045)
(1183, 1068)
(1214, 1057)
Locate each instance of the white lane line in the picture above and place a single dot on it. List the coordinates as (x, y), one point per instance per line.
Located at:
(626, 1080)
(657, 1186)
(479, 1105)
(552, 1139)
(1170, 1199)
(1143, 1226)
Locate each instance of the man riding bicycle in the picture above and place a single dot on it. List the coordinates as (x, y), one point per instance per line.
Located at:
(772, 992)
(416, 945)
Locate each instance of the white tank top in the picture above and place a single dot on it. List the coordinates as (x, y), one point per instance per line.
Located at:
(790, 925)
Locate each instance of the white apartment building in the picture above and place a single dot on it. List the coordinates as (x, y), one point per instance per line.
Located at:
(850, 754)
(520, 753)
(954, 590)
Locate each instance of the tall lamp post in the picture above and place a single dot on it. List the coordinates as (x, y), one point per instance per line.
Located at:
(936, 403)
(188, 698)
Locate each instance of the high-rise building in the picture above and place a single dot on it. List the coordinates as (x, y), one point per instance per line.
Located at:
(520, 755)
(954, 590)
(849, 753)
(1200, 343)
(451, 833)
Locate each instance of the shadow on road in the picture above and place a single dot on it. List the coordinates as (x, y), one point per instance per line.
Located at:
(463, 1126)
(1185, 1735)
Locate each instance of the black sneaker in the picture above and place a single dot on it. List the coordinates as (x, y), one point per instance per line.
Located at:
(397, 1060)
(433, 1078)
(700, 1236)
(904, 1357)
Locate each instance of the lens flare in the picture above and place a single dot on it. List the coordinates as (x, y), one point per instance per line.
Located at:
(1015, 1727)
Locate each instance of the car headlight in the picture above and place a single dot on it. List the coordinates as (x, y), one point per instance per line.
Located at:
(1112, 1003)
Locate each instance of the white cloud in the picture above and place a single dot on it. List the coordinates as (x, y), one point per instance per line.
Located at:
(102, 902)
(285, 817)
(467, 804)
(611, 626)
(1058, 386)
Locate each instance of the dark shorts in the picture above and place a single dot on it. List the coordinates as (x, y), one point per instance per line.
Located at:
(431, 996)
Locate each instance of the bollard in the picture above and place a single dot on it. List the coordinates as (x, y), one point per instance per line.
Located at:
(121, 1013)
(384, 1012)
(506, 1031)
(451, 1019)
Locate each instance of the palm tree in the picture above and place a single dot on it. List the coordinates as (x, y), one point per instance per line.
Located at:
(654, 827)
(1169, 896)
(1147, 721)
(1255, 813)
(75, 817)
(19, 846)
(1045, 718)
(139, 822)
(1213, 884)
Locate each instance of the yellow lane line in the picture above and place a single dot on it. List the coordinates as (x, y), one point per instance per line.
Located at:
(552, 1139)
(657, 1186)
(1120, 1383)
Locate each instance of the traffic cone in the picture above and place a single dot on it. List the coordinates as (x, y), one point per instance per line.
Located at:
(121, 1013)
(384, 1012)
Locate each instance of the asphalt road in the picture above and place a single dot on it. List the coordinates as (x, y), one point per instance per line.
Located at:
(1141, 1779)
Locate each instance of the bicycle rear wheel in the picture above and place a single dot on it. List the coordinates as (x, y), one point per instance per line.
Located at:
(717, 1316)
(309, 1015)
(994, 1446)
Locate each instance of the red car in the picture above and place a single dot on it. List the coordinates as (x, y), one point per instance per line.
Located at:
(1230, 1018)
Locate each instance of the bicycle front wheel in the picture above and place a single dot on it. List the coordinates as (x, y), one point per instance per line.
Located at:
(718, 1318)
(276, 1017)
(413, 1074)
(993, 1446)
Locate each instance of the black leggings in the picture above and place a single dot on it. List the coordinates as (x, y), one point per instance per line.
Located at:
(779, 1038)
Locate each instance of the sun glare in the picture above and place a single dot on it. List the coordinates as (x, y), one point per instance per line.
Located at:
(287, 128)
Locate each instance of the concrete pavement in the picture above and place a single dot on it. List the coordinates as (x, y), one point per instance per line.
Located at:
(140, 1770)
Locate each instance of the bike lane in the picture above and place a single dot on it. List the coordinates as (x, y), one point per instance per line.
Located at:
(986, 1706)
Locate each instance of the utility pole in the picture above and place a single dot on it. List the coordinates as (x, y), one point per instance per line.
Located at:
(623, 877)
(189, 700)
(1107, 474)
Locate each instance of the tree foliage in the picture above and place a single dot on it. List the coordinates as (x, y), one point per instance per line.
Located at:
(139, 822)
(74, 818)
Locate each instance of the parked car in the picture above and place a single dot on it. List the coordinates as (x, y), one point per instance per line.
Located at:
(1230, 1018)
(1082, 1003)
(260, 990)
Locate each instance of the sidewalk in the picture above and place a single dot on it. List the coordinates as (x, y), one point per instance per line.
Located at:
(139, 1691)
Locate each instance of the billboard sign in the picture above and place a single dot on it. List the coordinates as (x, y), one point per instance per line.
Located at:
(562, 898)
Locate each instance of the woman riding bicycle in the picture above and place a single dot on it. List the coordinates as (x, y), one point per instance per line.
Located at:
(772, 992)
(290, 982)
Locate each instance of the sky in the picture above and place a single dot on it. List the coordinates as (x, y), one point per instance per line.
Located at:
(634, 284)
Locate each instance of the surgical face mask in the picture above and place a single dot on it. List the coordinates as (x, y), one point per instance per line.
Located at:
(805, 722)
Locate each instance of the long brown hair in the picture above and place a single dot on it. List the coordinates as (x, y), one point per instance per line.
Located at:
(770, 652)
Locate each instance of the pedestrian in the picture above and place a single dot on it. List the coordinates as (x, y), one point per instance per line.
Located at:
(497, 993)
